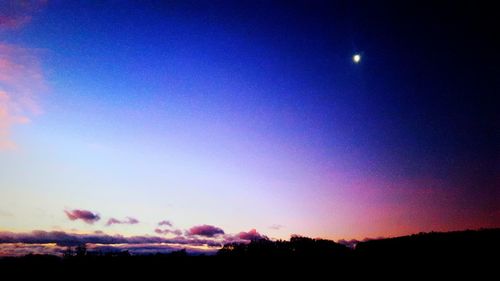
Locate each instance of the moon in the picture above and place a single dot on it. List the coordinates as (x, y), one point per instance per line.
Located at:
(356, 58)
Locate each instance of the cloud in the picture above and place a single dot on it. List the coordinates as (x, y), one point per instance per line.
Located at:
(165, 223)
(177, 232)
(19, 249)
(21, 76)
(86, 216)
(243, 237)
(62, 238)
(205, 230)
(148, 249)
(128, 220)
(21, 82)
(54, 242)
(250, 235)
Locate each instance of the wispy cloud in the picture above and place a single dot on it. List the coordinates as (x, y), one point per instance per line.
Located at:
(177, 232)
(21, 76)
(165, 223)
(21, 81)
(128, 220)
(87, 216)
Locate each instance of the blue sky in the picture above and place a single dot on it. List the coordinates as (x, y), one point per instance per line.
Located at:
(244, 116)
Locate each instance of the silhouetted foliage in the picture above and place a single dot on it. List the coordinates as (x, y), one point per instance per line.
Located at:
(81, 250)
(296, 247)
(179, 253)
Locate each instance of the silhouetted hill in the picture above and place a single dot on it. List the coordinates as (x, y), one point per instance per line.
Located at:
(435, 245)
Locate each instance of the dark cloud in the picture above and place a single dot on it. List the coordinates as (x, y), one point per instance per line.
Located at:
(203, 238)
(177, 232)
(147, 249)
(243, 237)
(250, 235)
(205, 230)
(165, 223)
(87, 216)
(128, 220)
(201, 235)
(17, 250)
(62, 238)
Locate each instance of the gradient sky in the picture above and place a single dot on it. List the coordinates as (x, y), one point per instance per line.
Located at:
(248, 115)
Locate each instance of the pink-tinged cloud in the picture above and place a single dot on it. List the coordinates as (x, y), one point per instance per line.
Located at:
(176, 232)
(165, 223)
(128, 220)
(84, 215)
(21, 83)
(250, 235)
(205, 230)
(21, 77)
(16, 14)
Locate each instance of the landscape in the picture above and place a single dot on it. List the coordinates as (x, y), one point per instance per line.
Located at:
(451, 253)
(249, 139)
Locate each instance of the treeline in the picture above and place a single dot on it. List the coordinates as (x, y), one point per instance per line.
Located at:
(459, 244)
(296, 247)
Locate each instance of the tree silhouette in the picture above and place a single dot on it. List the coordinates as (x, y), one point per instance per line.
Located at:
(81, 250)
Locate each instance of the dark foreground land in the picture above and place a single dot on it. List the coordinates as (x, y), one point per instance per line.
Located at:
(475, 253)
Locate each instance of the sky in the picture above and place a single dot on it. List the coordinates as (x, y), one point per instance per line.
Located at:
(160, 125)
